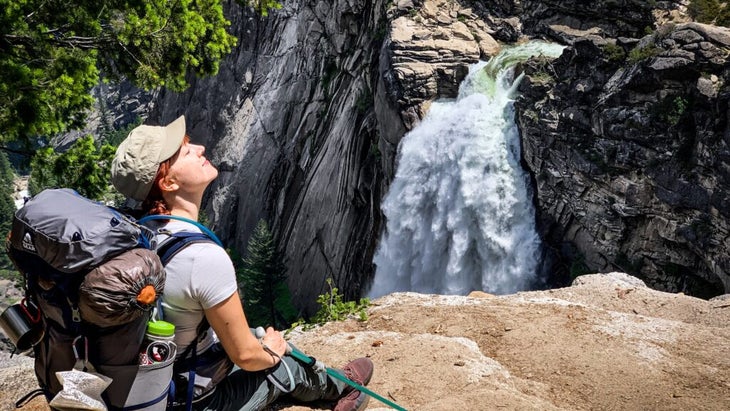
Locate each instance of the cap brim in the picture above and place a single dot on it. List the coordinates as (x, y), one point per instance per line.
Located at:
(173, 139)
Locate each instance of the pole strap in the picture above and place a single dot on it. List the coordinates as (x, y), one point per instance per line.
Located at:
(335, 374)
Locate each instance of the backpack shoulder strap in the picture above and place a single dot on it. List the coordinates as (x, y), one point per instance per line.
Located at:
(187, 360)
(177, 242)
(202, 228)
(169, 248)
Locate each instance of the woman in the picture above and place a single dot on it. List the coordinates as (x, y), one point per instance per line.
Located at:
(160, 167)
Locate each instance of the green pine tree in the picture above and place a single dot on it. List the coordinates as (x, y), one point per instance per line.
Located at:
(266, 297)
(85, 167)
(7, 210)
(704, 11)
(53, 52)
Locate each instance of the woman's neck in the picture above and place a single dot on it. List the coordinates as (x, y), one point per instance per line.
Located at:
(182, 207)
(185, 213)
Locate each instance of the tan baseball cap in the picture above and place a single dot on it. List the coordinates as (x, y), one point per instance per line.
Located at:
(139, 156)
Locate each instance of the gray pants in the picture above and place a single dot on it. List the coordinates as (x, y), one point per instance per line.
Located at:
(251, 391)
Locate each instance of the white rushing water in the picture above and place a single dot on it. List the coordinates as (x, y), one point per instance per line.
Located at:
(459, 213)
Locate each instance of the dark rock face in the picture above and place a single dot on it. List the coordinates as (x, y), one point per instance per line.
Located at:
(628, 144)
(613, 17)
(116, 107)
(291, 124)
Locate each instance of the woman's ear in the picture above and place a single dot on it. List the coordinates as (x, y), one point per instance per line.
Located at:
(167, 184)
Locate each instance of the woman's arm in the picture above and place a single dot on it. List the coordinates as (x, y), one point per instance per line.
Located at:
(229, 323)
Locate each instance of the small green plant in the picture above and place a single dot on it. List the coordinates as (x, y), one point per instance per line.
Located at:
(264, 6)
(333, 308)
(671, 109)
(679, 106)
(542, 78)
(532, 115)
(638, 54)
(614, 52)
(664, 31)
(706, 11)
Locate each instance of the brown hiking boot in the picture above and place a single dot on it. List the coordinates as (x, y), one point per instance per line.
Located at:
(359, 371)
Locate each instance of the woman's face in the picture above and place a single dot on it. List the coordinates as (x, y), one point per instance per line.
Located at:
(190, 170)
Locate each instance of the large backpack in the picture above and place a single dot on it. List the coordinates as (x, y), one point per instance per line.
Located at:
(93, 273)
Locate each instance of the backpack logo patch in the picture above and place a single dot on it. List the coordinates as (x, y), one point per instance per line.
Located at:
(28, 243)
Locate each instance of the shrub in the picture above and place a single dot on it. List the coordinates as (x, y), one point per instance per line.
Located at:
(614, 52)
(704, 11)
(7, 210)
(333, 308)
(671, 109)
(642, 53)
(84, 167)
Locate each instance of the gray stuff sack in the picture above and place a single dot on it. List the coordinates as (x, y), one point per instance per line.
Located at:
(72, 233)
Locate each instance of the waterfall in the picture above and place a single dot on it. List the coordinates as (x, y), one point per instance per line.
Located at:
(459, 211)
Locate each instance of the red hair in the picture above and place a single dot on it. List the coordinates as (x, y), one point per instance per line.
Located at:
(155, 203)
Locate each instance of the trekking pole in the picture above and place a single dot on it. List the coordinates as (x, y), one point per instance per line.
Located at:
(320, 367)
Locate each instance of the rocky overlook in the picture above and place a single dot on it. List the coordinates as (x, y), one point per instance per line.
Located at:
(607, 342)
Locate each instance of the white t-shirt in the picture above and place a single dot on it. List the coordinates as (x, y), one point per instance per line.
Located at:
(200, 276)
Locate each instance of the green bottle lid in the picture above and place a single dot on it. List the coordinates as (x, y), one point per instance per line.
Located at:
(161, 328)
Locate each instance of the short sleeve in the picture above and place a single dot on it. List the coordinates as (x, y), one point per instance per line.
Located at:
(213, 277)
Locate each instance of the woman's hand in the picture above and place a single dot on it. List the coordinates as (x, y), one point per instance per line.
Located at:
(275, 342)
(245, 350)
